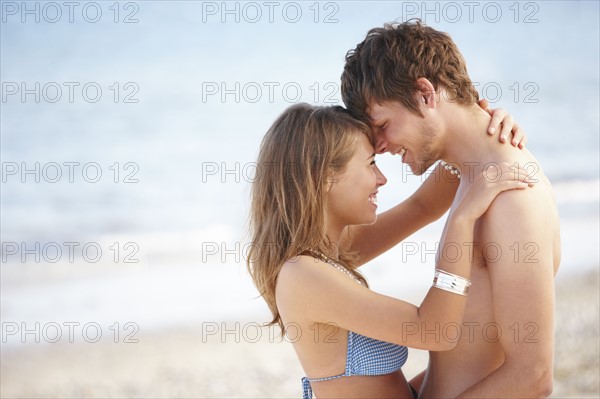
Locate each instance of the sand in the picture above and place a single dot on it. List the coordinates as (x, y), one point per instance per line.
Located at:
(190, 363)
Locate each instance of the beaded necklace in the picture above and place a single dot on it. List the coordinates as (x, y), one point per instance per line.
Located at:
(451, 168)
(333, 263)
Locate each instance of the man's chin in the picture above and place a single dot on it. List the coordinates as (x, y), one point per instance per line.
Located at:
(417, 169)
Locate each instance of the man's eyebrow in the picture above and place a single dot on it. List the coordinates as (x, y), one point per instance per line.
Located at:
(372, 156)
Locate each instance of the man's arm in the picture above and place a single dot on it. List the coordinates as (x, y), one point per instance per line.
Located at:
(426, 205)
(522, 284)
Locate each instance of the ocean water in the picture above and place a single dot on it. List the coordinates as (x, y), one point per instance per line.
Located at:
(129, 132)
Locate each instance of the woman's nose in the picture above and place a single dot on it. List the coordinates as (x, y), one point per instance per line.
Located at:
(381, 179)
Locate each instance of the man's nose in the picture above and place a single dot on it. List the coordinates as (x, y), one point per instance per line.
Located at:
(381, 145)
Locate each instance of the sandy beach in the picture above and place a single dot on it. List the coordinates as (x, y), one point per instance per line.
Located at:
(232, 360)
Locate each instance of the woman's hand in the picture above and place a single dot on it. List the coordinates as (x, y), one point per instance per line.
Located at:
(487, 185)
(502, 119)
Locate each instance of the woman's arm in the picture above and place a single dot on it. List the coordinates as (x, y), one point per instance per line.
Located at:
(431, 200)
(310, 290)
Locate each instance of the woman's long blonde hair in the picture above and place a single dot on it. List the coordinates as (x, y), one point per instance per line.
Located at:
(300, 153)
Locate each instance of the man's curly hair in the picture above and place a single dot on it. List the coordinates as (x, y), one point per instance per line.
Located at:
(386, 65)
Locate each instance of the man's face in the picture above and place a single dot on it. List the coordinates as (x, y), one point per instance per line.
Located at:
(400, 131)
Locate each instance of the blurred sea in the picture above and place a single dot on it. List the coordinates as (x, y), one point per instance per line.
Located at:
(185, 97)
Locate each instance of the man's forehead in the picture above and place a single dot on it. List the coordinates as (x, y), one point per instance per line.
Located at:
(373, 111)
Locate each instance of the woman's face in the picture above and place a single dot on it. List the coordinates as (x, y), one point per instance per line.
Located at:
(352, 197)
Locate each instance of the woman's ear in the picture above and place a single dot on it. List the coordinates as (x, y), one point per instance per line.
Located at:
(426, 93)
(331, 178)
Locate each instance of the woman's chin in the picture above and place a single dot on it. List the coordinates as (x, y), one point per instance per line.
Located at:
(370, 220)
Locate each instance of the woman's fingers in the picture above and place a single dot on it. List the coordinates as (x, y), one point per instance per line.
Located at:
(523, 141)
(503, 172)
(504, 123)
(498, 116)
(484, 105)
(507, 127)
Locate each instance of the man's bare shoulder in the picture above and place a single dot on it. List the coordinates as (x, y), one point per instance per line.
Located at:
(522, 213)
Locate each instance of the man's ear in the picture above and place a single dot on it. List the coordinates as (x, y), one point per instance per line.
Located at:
(426, 93)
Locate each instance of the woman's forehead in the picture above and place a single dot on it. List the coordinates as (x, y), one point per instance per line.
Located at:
(364, 145)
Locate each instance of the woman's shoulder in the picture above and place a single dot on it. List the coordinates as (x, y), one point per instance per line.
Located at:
(306, 275)
(299, 269)
(298, 284)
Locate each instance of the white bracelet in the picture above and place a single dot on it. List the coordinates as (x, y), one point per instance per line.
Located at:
(451, 282)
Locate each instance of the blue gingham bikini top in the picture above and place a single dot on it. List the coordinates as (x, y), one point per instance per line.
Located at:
(365, 356)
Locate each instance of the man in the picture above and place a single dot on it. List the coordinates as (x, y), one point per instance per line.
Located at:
(410, 82)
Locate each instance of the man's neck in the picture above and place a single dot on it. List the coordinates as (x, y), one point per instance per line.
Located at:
(467, 146)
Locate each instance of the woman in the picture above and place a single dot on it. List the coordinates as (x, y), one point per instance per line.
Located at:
(318, 177)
